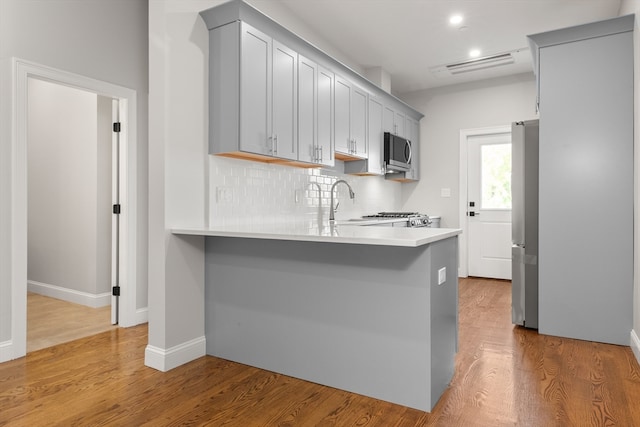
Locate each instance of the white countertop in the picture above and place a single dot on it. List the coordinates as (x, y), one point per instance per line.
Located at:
(344, 232)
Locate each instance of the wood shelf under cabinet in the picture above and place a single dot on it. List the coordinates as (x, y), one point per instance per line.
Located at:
(267, 159)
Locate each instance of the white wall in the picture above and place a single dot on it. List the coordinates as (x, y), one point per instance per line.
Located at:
(68, 181)
(102, 39)
(627, 7)
(448, 110)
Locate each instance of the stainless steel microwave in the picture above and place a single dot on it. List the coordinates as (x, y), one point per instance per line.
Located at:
(397, 153)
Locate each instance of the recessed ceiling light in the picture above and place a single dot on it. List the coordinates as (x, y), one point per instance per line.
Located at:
(474, 53)
(455, 19)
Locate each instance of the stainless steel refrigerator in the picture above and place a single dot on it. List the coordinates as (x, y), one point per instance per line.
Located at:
(524, 232)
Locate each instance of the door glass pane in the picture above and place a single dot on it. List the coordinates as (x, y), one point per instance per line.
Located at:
(496, 176)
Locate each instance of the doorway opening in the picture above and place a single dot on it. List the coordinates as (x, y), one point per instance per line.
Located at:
(23, 72)
(485, 202)
(72, 186)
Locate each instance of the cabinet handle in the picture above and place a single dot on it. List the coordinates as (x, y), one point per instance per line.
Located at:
(321, 155)
(275, 144)
(270, 143)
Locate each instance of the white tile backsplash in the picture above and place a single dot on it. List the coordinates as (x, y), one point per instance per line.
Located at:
(242, 191)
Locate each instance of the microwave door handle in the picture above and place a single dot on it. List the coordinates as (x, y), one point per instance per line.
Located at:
(410, 151)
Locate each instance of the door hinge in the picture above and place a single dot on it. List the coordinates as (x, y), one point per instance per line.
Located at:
(116, 127)
(116, 209)
(115, 291)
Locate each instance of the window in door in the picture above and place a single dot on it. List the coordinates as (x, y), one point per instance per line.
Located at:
(496, 176)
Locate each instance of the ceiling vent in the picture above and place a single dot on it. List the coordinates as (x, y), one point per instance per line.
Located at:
(478, 64)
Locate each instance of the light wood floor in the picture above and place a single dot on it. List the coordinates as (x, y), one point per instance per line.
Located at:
(51, 321)
(505, 376)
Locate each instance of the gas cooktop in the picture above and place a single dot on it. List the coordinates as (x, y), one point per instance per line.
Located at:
(393, 215)
(414, 219)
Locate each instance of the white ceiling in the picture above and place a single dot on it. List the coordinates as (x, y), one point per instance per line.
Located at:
(407, 38)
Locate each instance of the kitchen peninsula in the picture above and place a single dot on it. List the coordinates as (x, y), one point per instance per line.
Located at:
(371, 310)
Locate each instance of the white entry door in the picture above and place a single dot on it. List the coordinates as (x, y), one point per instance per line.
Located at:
(489, 205)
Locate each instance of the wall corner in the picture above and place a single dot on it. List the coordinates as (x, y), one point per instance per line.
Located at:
(635, 345)
(166, 359)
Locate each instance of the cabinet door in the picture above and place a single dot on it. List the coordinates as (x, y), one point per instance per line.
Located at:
(413, 134)
(389, 116)
(375, 137)
(325, 116)
(285, 98)
(307, 110)
(399, 125)
(342, 97)
(359, 100)
(586, 153)
(255, 91)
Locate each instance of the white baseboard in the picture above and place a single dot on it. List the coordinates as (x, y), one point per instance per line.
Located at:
(142, 316)
(165, 360)
(635, 345)
(6, 351)
(70, 295)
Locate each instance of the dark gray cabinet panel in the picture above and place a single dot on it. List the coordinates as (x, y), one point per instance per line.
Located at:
(586, 183)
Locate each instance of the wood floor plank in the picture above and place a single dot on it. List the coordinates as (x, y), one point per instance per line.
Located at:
(52, 321)
(504, 376)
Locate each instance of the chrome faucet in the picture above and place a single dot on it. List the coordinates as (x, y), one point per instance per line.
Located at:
(351, 195)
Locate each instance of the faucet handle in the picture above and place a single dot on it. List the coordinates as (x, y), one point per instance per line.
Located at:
(335, 209)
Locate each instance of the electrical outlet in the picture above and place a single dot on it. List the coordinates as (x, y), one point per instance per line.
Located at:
(442, 275)
(445, 192)
(224, 195)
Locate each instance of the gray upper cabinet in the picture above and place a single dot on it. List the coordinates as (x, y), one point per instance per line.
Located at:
(350, 120)
(274, 97)
(359, 121)
(395, 121)
(255, 90)
(374, 164)
(342, 114)
(254, 114)
(307, 109)
(325, 135)
(375, 161)
(399, 124)
(388, 120)
(285, 102)
(315, 113)
(412, 133)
